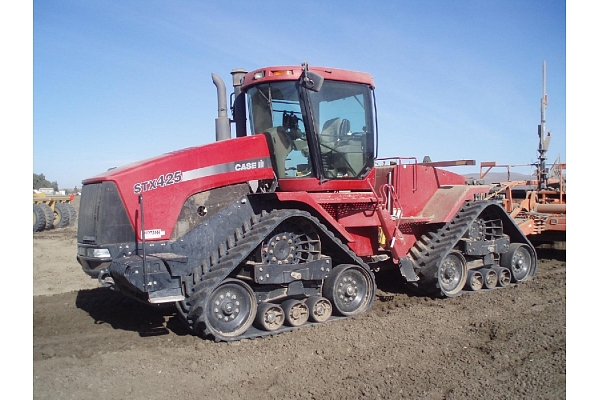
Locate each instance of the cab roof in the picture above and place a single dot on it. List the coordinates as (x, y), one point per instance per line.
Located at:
(293, 73)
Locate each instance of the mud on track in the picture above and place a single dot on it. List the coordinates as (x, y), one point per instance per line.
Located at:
(91, 343)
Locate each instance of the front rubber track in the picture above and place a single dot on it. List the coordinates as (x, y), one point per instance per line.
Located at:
(239, 246)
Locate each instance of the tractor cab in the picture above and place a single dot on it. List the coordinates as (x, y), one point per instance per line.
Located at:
(320, 124)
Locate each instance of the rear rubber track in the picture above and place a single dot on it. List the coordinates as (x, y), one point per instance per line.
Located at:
(433, 247)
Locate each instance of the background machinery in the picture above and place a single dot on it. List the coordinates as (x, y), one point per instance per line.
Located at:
(52, 211)
(286, 224)
(538, 205)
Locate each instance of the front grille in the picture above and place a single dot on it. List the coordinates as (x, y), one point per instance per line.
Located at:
(102, 216)
(88, 208)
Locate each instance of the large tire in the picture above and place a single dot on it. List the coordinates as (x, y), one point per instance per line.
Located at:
(61, 215)
(49, 214)
(39, 219)
(72, 213)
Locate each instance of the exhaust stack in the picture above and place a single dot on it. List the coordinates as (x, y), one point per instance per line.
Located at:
(222, 127)
(239, 105)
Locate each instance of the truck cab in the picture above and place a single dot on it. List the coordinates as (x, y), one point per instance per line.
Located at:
(320, 123)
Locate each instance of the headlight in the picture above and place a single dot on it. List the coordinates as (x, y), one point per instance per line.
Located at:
(98, 253)
(95, 253)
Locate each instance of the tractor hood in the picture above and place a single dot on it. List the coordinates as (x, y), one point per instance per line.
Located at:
(166, 181)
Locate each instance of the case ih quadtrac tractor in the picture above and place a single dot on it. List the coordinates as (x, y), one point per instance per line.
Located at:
(285, 224)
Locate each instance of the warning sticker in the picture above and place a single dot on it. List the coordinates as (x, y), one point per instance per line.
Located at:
(153, 233)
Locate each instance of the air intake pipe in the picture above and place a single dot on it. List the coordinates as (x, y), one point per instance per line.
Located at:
(222, 127)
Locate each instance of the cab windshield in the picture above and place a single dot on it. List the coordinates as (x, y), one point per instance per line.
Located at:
(344, 121)
(343, 128)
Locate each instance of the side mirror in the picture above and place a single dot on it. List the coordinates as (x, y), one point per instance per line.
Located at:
(311, 81)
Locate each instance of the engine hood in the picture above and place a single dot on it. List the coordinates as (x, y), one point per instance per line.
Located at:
(166, 181)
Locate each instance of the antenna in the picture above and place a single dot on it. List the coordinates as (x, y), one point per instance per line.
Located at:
(543, 135)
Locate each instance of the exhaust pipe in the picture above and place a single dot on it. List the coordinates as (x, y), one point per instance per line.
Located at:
(222, 127)
(239, 105)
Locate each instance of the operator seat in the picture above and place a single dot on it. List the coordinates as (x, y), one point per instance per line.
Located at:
(334, 130)
(333, 135)
(280, 145)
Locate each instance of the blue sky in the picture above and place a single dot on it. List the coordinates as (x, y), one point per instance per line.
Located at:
(115, 81)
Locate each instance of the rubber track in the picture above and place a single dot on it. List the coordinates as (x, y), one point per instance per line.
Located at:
(234, 251)
(433, 247)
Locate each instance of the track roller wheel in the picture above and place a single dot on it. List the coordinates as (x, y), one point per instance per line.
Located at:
(295, 311)
(231, 309)
(452, 274)
(269, 317)
(504, 276)
(490, 278)
(319, 308)
(519, 260)
(349, 289)
(39, 219)
(474, 280)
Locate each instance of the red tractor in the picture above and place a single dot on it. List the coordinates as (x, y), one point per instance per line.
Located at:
(286, 224)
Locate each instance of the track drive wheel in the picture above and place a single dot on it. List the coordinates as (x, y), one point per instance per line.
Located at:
(39, 219)
(293, 242)
(61, 215)
(519, 260)
(349, 289)
(452, 274)
(231, 309)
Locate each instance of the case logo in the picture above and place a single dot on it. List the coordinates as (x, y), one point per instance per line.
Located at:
(250, 165)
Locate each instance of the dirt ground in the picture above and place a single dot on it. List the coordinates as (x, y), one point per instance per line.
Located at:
(91, 343)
